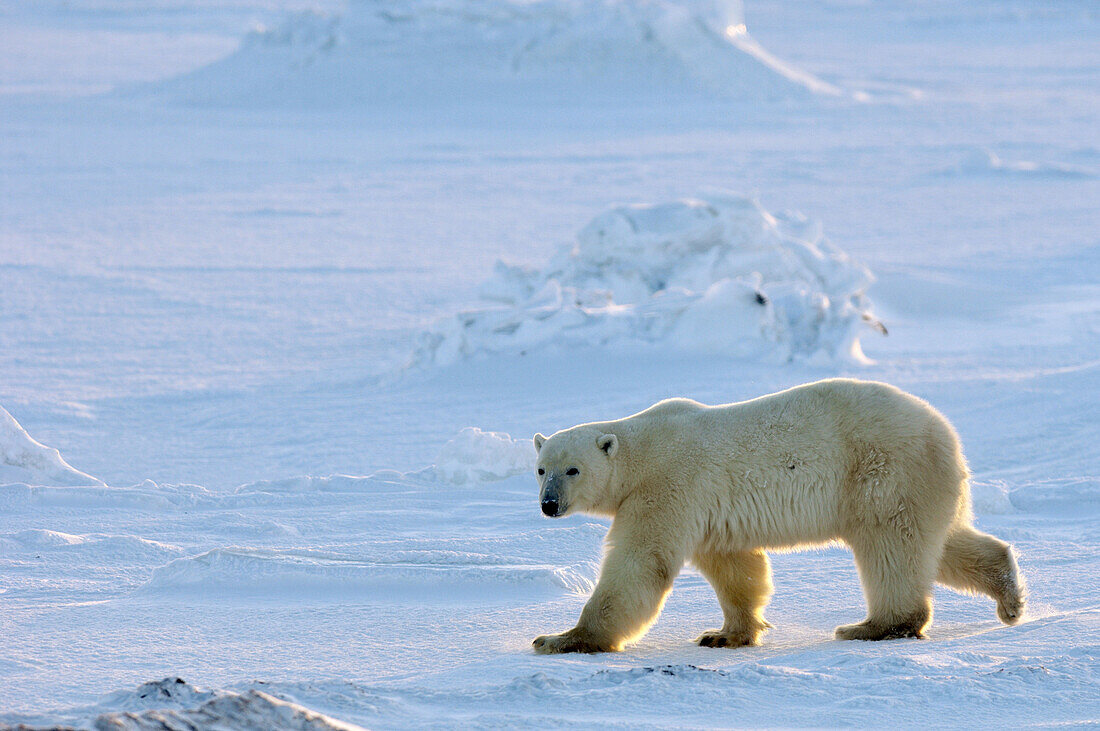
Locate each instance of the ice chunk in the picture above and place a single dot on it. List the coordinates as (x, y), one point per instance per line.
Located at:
(22, 459)
(719, 275)
(474, 455)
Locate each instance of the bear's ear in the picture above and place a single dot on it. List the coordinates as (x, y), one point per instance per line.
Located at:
(539, 439)
(609, 443)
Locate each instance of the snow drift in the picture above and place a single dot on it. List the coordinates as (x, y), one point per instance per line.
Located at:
(147, 495)
(983, 162)
(440, 53)
(306, 484)
(22, 459)
(720, 275)
(426, 574)
(37, 541)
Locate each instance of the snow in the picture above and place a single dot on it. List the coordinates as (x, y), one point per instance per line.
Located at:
(718, 275)
(230, 225)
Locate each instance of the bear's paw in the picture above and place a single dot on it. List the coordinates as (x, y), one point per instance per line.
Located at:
(718, 638)
(571, 641)
(874, 631)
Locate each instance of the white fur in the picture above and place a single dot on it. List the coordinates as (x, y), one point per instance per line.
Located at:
(836, 460)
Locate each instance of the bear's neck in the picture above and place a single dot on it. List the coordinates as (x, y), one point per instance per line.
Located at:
(643, 461)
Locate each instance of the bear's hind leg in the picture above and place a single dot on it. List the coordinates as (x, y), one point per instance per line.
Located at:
(977, 562)
(743, 583)
(897, 580)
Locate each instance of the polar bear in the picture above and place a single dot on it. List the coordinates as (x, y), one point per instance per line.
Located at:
(836, 460)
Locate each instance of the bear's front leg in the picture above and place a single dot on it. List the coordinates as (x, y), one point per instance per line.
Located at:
(635, 578)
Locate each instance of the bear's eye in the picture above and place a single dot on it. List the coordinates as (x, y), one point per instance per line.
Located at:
(542, 471)
(572, 471)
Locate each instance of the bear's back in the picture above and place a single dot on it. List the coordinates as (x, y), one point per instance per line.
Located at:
(674, 407)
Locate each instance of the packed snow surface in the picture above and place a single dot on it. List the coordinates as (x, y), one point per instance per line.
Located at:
(210, 283)
(720, 275)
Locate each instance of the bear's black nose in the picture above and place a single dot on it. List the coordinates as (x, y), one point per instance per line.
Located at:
(550, 507)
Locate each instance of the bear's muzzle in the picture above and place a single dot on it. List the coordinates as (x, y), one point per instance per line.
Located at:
(551, 500)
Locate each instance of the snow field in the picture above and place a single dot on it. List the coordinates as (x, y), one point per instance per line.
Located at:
(364, 552)
(208, 279)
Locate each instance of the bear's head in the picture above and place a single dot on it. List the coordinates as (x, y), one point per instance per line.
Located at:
(575, 469)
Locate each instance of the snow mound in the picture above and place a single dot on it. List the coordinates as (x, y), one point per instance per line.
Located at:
(173, 699)
(450, 575)
(1071, 496)
(22, 459)
(440, 53)
(474, 455)
(720, 275)
(37, 540)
